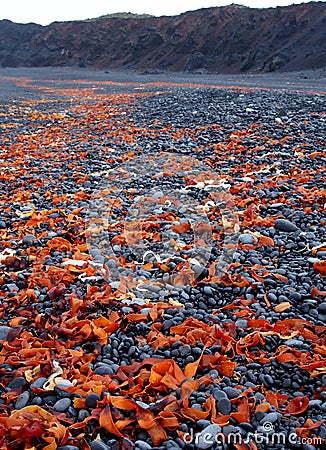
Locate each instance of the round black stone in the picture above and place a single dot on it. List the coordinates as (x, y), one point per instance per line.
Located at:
(91, 400)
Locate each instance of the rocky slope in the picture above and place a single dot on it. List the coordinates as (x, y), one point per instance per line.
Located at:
(226, 39)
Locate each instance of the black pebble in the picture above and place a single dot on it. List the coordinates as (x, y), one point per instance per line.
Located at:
(68, 447)
(91, 400)
(99, 445)
(322, 308)
(4, 332)
(22, 400)
(62, 405)
(232, 392)
(285, 225)
(219, 394)
(224, 406)
(17, 383)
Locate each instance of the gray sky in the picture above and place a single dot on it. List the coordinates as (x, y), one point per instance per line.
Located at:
(45, 12)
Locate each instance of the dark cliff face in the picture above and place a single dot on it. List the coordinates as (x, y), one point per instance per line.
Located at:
(15, 43)
(227, 39)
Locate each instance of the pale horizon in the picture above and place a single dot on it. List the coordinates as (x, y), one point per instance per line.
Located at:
(44, 13)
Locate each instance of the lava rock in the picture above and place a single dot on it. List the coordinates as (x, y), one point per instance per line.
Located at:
(22, 400)
(68, 447)
(17, 383)
(28, 239)
(4, 331)
(62, 405)
(91, 400)
(232, 392)
(99, 445)
(285, 225)
(322, 308)
(207, 437)
(219, 394)
(271, 417)
(39, 383)
(142, 445)
(247, 239)
(224, 406)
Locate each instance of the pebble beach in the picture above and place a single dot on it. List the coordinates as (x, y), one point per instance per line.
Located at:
(162, 261)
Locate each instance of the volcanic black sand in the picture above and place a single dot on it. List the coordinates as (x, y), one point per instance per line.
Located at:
(163, 260)
(309, 80)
